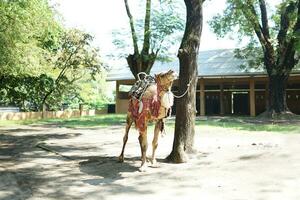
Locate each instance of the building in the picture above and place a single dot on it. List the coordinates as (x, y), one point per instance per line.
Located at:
(225, 87)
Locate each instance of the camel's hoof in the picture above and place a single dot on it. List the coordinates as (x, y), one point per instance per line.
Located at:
(153, 161)
(154, 164)
(143, 169)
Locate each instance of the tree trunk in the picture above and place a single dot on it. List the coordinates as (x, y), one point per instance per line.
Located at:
(140, 63)
(277, 95)
(186, 106)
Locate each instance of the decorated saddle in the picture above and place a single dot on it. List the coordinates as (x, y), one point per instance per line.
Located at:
(149, 100)
(140, 86)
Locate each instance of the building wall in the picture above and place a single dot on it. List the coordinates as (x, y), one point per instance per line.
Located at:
(293, 101)
(122, 106)
(236, 95)
(260, 102)
(47, 114)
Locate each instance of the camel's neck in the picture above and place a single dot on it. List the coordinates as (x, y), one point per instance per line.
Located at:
(162, 88)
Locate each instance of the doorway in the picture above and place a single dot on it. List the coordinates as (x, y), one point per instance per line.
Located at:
(240, 103)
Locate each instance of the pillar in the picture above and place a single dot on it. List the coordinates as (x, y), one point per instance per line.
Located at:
(117, 97)
(267, 95)
(252, 98)
(202, 97)
(222, 99)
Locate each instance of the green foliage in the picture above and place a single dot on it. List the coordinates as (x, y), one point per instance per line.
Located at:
(298, 41)
(244, 18)
(253, 54)
(27, 27)
(76, 57)
(73, 60)
(28, 92)
(94, 92)
(167, 27)
(232, 20)
(24, 91)
(41, 61)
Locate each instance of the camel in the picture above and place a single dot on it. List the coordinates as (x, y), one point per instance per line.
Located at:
(157, 100)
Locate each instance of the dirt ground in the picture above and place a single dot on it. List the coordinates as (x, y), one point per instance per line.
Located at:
(230, 165)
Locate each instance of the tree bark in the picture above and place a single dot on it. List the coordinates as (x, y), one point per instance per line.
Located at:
(140, 63)
(277, 94)
(186, 106)
(280, 66)
(133, 33)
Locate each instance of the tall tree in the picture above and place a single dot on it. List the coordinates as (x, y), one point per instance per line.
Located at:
(73, 60)
(41, 61)
(278, 40)
(157, 26)
(27, 28)
(186, 107)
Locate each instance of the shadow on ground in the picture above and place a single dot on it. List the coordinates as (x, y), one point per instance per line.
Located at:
(108, 169)
(24, 168)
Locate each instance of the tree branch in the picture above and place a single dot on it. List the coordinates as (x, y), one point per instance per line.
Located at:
(297, 25)
(290, 60)
(147, 31)
(251, 15)
(61, 74)
(286, 47)
(133, 33)
(285, 22)
(264, 18)
(159, 46)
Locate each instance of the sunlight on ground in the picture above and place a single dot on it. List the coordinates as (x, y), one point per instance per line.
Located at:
(231, 162)
(237, 123)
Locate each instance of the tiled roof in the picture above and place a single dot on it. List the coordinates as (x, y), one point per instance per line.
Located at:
(221, 62)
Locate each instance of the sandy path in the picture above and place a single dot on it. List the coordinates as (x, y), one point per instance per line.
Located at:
(230, 165)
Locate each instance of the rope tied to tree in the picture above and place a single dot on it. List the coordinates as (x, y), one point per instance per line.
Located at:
(147, 80)
(186, 91)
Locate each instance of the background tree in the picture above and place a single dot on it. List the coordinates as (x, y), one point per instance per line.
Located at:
(74, 59)
(27, 29)
(24, 91)
(158, 26)
(186, 106)
(41, 62)
(278, 40)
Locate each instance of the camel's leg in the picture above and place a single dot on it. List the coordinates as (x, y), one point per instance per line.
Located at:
(157, 130)
(144, 146)
(125, 138)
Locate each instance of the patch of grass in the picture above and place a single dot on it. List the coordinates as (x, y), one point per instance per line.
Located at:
(91, 121)
(9, 123)
(237, 123)
(251, 124)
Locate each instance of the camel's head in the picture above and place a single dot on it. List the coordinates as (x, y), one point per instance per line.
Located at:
(165, 79)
